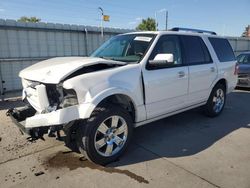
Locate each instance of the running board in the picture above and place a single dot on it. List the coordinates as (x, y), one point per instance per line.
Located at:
(138, 124)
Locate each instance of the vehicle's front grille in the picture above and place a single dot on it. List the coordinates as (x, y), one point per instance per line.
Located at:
(53, 94)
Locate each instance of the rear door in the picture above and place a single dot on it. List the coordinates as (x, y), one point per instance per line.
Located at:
(166, 87)
(226, 61)
(202, 69)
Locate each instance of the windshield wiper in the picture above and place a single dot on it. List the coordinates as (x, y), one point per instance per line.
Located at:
(114, 59)
(120, 59)
(107, 58)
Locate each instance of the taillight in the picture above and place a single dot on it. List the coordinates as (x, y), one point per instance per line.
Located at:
(236, 69)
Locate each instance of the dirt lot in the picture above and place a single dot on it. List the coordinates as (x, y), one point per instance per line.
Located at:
(186, 150)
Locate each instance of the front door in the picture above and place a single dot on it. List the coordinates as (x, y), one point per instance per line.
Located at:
(166, 87)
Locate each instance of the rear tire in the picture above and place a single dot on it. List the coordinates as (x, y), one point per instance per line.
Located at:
(105, 135)
(216, 101)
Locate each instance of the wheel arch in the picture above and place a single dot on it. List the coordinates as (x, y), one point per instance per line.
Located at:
(122, 100)
(119, 96)
(222, 81)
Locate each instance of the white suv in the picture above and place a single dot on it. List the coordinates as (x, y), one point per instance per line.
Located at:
(131, 80)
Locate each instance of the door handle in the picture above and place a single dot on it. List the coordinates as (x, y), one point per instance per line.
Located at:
(181, 74)
(212, 69)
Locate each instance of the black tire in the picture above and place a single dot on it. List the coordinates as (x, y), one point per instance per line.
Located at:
(209, 108)
(70, 138)
(86, 133)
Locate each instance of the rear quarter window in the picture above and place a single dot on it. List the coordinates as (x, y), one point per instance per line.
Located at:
(222, 49)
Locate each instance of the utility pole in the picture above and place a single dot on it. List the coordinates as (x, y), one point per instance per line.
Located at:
(156, 22)
(166, 20)
(102, 14)
(156, 19)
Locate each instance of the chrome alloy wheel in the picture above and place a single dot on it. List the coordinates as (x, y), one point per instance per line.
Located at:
(111, 135)
(218, 100)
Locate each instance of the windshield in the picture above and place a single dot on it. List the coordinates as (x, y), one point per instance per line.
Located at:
(244, 59)
(127, 48)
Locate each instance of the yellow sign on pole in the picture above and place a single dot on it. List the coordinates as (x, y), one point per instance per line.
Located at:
(106, 18)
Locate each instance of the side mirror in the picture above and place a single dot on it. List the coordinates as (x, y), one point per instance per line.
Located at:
(162, 60)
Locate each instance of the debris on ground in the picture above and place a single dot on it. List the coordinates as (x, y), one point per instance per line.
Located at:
(39, 173)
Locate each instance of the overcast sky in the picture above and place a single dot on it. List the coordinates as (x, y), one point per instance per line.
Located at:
(228, 17)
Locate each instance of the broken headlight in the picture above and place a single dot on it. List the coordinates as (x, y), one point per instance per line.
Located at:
(69, 98)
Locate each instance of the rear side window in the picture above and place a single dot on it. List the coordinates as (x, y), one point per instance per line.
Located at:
(222, 49)
(196, 51)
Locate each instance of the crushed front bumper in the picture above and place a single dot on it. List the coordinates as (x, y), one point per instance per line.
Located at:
(36, 125)
(18, 117)
(13, 113)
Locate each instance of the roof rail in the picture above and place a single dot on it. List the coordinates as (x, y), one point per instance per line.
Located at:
(193, 30)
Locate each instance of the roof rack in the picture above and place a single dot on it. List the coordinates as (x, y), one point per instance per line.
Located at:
(193, 30)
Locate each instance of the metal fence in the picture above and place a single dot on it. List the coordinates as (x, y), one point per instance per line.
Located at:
(239, 44)
(23, 44)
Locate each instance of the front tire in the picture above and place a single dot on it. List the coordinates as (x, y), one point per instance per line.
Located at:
(105, 135)
(216, 101)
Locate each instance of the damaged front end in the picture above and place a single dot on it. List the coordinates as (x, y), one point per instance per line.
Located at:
(46, 109)
(19, 115)
(53, 101)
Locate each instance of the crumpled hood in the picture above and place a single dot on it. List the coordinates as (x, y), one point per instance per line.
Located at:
(56, 69)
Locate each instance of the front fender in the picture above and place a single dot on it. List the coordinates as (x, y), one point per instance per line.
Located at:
(140, 112)
(94, 87)
(114, 91)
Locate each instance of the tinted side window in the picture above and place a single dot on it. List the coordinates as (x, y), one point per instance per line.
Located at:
(222, 49)
(196, 51)
(168, 44)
